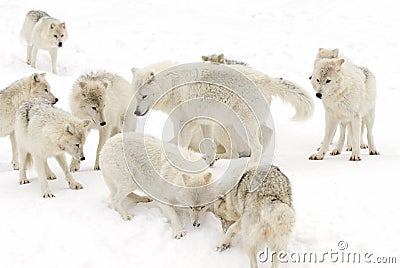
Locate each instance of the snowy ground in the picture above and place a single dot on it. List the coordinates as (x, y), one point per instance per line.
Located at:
(335, 200)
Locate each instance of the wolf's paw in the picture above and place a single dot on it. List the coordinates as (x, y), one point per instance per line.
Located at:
(349, 148)
(25, 181)
(51, 176)
(374, 152)
(15, 165)
(222, 247)
(363, 146)
(75, 166)
(179, 234)
(316, 157)
(75, 185)
(127, 217)
(335, 152)
(96, 166)
(355, 157)
(48, 195)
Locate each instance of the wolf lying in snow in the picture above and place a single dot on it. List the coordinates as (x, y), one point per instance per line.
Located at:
(43, 131)
(121, 184)
(324, 53)
(40, 31)
(348, 93)
(102, 97)
(263, 216)
(10, 99)
(269, 87)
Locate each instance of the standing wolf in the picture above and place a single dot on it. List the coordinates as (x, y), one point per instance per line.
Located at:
(43, 131)
(40, 31)
(348, 93)
(263, 216)
(120, 182)
(10, 99)
(102, 97)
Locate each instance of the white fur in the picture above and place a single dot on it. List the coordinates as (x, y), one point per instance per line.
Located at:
(43, 131)
(10, 99)
(40, 31)
(120, 182)
(348, 93)
(104, 98)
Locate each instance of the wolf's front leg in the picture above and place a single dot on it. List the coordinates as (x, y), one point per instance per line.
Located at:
(176, 224)
(342, 137)
(34, 56)
(73, 184)
(232, 231)
(14, 161)
(53, 55)
(104, 134)
(330, 129)
(355, 131)
(41, 170)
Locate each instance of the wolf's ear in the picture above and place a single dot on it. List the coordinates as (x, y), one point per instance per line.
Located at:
(83, 85)
(319, 49)
(43, 74)
(134, 70)
(52, 25)
(335, 53)
(35, 78)
(62, 25)
(61, 146)
(86, 123)
(207, 178)
(204, 58)
(68, 129)
(105, 84)
(339, 62)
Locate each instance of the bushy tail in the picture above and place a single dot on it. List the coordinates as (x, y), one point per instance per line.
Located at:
(295, 95)
(281, 218)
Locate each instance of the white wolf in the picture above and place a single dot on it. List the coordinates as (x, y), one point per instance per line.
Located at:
(43, 131)
(102, 97)
(288, 91)
(348, 93)
(265, 215)
(40, 31)
(324, 53)
(120, 182)
(10, 99)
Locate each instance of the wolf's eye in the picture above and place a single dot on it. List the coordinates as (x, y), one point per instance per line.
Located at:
(202, 207)
(328, 81)
(317, 80)
(94, 108)
(145, 96)
(55, 36)
(46, 90)
(77, 145)
(62, 35)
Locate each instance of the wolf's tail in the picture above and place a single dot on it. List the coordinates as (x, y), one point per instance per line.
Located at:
(281, 218)
(293, 94)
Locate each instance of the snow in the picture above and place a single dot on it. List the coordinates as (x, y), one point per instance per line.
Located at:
(335, 200)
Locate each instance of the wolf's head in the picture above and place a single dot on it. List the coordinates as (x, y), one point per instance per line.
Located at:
(73, 138)
(92, 100)
(57, 34)
(39, 87)
(326, 77)
(217, 58)
(145, 96)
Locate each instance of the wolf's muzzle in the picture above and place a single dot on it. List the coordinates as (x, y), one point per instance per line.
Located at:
(103, 123)
(59, 44)
(82, 158)
(319, 95)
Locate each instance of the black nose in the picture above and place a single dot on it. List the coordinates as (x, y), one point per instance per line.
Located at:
(310, 77)
(82, 158)
(137, 113)
(55, 100)
(103, 123)
(59, 44)
(319, 95)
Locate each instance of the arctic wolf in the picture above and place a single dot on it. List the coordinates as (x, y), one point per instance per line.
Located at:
(348, 93)
(324, 53)
(120, 182)
(43, 131)
(40, 31)
(10, 99)
(220, 58)
(263, 216)
(102, 97)
(269, 87)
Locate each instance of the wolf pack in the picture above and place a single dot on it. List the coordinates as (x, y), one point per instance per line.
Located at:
(99, 100)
